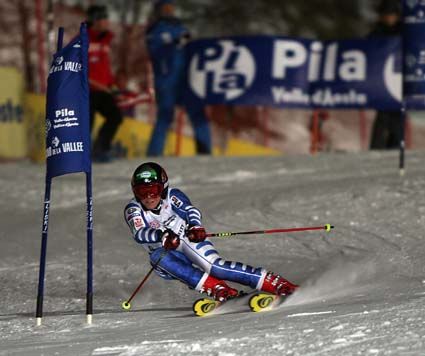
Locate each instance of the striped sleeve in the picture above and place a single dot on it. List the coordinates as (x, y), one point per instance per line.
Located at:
(148, 235)
(184, 208)
(194, 215)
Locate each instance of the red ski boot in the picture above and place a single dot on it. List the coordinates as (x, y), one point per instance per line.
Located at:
(218, 289)
(275, 284)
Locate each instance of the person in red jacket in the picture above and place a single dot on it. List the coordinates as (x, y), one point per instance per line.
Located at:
(101, 81)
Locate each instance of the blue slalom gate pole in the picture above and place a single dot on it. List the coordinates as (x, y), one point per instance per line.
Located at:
(89, 300)
(44, 233)
(60, 38)
(402, 138)
(45, 224)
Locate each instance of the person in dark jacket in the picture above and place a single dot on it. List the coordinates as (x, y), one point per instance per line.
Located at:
(166, 38)
(387, 127)
(101, 81)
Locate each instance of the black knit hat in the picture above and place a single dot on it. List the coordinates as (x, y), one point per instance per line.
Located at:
(96, 12)
(387, 7)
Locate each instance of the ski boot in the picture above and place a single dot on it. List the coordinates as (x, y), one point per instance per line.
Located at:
(218, 289)
(275, 284)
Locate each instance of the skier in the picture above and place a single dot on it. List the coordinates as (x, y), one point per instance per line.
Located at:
(166, 223)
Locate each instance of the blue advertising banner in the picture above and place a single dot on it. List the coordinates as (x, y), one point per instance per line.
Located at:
(296, 73)
(414, 51)
(67, 110)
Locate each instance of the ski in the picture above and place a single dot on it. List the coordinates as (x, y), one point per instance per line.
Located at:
(204, 306)
(261, 302)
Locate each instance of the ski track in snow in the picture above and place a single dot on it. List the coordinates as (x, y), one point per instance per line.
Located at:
(362, 285)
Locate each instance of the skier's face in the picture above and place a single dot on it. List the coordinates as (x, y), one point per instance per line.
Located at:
(151, 202)
(390, 19)
(167, 10)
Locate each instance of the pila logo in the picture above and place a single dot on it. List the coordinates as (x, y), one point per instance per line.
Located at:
(55, 141)
(224, 69)
(393, 78)
(59, 60)
(48, 125)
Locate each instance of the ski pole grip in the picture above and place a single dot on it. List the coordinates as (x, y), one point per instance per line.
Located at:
(224, 234)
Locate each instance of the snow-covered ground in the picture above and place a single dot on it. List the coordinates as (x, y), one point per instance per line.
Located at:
(362, 285)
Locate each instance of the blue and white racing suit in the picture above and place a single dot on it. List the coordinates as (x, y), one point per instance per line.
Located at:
(191, 262)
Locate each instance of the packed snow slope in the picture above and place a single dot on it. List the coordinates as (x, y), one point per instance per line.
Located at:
(362, 285)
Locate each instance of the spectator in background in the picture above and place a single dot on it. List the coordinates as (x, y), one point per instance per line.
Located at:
(101, 81)
(166, 39)
(126, 98)
(318, 138)
(387, 128)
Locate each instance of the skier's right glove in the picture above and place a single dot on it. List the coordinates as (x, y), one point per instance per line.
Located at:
(170, 240)
(196, 234)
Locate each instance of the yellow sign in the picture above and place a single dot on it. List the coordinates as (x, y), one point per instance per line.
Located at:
(35, 118)
(12, 126)
(132, 138)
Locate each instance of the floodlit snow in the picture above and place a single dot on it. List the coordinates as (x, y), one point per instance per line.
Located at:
(362, 285)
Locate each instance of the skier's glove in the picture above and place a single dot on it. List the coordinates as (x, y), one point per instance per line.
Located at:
(170, 240)
(196, 234)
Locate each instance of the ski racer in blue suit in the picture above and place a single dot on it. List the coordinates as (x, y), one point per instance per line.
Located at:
(164, 221)
(166, 37)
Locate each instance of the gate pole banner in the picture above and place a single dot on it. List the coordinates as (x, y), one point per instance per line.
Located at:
(68, 142)
(67, 110)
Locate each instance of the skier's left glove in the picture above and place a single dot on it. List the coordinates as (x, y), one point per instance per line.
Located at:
(196, 234)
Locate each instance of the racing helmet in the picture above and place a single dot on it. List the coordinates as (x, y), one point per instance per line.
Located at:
(149, 180)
